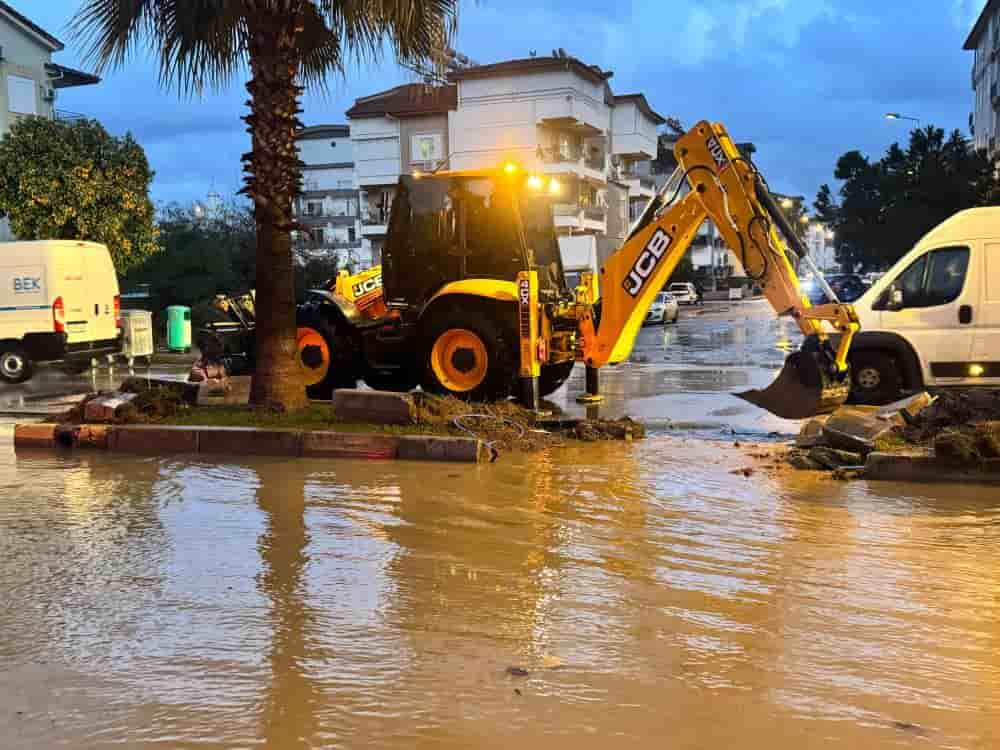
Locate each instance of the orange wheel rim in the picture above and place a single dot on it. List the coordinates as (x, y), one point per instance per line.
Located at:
(314, 355)
(459, 360)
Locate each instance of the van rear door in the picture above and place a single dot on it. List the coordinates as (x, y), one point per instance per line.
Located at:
(102, 289)
(986, 318)
(68, 280)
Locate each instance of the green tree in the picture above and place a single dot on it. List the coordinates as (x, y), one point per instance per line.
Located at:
(199, 257)
(286, 44)
(885, 206)
(75, 181)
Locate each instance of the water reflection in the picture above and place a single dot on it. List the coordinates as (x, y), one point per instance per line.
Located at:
(288, 714)
(648, 592)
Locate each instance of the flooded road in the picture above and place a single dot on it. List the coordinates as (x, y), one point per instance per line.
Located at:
(654, 599)
(683, 376)
(593, 596)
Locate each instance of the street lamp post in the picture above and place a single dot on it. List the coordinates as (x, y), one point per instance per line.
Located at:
(897, 116)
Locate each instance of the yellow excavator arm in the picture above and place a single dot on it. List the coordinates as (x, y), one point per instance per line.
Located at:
(727, 188)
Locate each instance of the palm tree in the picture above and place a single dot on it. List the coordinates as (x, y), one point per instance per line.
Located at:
(287, 44)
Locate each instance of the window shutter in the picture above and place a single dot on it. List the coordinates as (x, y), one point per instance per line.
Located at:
(21, 97)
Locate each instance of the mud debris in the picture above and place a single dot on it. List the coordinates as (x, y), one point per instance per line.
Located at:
(954, 430)
(503, 425)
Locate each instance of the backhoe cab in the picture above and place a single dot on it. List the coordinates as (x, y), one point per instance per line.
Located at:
(471, 298)
(442, 310)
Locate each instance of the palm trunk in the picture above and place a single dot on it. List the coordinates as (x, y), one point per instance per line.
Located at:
(273, 175)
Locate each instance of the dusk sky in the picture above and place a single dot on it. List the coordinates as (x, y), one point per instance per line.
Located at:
(805, 80)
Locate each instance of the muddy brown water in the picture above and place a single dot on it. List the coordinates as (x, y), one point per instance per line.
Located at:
(654, 599)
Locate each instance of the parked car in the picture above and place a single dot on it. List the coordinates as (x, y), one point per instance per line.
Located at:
(58, 303)
(663, 310)
(685, 293)
(933, 320)
(847, 286)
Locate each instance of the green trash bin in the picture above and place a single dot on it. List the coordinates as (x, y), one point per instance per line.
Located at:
(179, 328)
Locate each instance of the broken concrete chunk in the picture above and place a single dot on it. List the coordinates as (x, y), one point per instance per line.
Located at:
(377, 407)
(106, 408)
(801, 461)
(905, 410)
(855, 430)
(835, 459)
(811, 433)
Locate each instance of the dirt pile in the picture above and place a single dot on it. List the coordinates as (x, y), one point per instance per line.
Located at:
(952, 410)
(149, 406)
(502, 425)
(507, 425)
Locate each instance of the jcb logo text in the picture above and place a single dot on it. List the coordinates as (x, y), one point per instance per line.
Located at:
(646, 263)
(715, 149)
(369, 285)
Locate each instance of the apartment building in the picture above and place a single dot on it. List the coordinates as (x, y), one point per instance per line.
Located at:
(31, 81)
(395, 132)
(552, 115)
(984, 42)
(328, 206)
(558, 116)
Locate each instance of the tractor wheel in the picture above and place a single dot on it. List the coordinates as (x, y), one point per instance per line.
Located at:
(553, 376)
(326, 354)
(469, 355)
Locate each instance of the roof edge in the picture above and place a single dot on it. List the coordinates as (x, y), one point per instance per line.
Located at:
(31, 27)
(978, 27)
(643, 104)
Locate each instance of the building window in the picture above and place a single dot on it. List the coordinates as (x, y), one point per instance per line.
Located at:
(426, 148)
(351, 235)
(317, 235)
(21, 97)
(314, 208)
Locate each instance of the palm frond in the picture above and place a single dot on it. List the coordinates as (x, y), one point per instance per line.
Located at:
(203, 43)
(198, 43)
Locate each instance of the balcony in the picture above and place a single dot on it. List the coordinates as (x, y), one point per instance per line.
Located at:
(595, 218)
(313, 246)
(374, 225)
(67, 116)
(571, 162)
(639, 186)
(575, 216)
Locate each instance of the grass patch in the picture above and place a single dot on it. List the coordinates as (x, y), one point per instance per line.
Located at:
(313, 417)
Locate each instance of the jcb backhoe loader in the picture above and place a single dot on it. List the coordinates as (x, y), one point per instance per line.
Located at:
(471, 298)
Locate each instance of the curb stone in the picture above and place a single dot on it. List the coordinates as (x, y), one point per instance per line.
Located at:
(248, 441)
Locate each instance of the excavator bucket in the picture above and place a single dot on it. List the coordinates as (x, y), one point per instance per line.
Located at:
(802, 389)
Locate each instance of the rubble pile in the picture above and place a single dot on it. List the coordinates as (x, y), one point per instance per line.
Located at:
(953, 429)
(964, 411)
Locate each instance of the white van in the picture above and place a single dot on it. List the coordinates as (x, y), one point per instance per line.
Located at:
(933, 319)
(58, 302)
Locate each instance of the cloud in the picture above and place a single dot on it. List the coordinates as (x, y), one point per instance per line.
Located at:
(805, 80)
